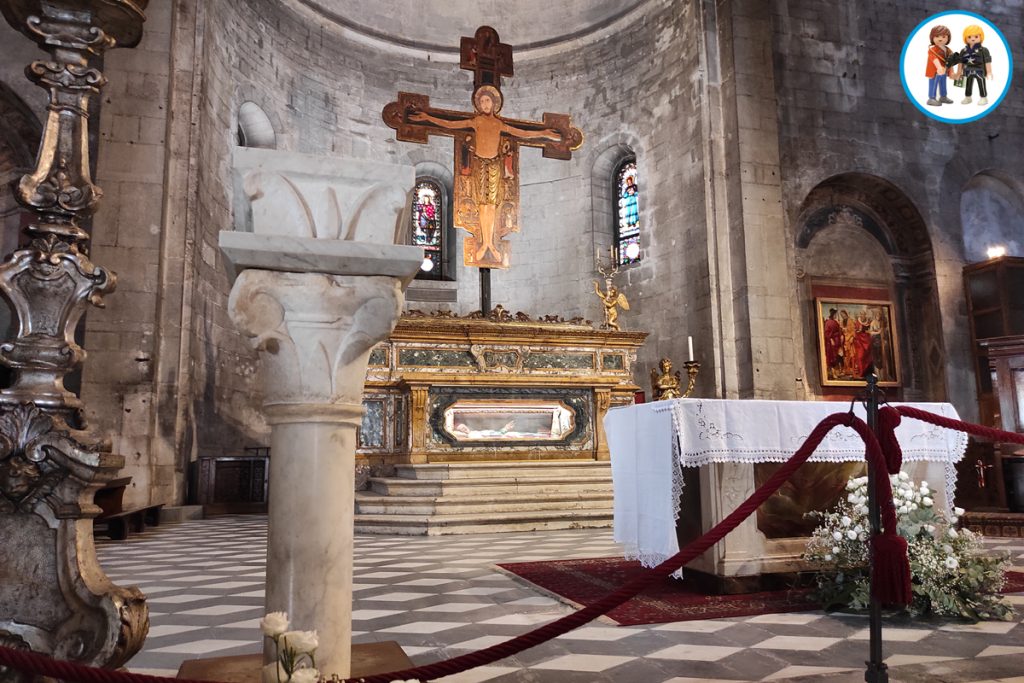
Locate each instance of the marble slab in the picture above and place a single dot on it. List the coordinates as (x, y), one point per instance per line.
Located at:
(310, 255)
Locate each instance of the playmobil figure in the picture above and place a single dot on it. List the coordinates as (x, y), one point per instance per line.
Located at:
(938, 55)
(974, 64)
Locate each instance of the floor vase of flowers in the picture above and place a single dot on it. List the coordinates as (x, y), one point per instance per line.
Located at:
(952, 574)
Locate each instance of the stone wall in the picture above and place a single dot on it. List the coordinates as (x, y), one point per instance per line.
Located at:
(123, 340)
(841, 108)
(324, 95)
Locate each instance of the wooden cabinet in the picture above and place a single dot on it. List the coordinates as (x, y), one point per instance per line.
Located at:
(232, 484)
(1005, 360)
(995, 308)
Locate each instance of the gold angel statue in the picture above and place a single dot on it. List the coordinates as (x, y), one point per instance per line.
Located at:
(611, 298)
(666, 385)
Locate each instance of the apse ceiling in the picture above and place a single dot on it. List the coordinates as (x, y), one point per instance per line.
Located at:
(437, 25)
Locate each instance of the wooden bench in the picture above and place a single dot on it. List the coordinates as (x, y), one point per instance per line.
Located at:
(117, 520)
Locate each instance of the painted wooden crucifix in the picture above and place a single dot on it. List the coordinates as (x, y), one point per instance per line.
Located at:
(486, 148)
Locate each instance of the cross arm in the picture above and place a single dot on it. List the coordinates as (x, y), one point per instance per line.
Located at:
(570, 137)
(397, 115)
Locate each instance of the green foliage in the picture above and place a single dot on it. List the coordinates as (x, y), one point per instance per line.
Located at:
(951, 574)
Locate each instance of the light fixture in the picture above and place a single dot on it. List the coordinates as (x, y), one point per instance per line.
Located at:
(996, 251)
(427, 265)
(632, 251)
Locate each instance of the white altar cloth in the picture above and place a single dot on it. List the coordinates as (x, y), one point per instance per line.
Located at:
(650, 442)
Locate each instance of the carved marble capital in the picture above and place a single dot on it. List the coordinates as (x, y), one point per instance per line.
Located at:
(318, 197)
(314, 331)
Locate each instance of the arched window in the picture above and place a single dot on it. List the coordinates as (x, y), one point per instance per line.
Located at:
(428, 227)
(627, 214)
(255, 128)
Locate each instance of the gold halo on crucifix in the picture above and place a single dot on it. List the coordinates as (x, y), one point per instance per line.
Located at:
(487, 91)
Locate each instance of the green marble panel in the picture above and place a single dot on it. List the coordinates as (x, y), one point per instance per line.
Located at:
(379, 356)
(435, 358)
(566, 361)
(371, 432)
(498, 358)
(613, 361)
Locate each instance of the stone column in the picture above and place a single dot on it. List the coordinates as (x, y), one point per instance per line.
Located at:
(54, 597)
(314, 333)
(319, 283)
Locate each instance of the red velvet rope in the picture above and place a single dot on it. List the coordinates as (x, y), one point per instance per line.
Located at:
(40, 665)
(949, 423)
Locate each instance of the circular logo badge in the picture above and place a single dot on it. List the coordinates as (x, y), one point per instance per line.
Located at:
(956, 66)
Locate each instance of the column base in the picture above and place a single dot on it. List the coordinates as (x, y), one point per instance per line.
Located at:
(367, 659)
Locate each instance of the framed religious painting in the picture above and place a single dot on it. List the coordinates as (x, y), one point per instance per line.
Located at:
(853, 335)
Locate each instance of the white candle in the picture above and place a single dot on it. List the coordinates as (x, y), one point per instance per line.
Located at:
(689, 343)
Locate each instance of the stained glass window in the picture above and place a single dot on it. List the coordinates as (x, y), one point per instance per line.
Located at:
(428, 228)
(627, 223)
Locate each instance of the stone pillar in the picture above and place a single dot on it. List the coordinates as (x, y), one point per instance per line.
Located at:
(54, 596)
(319, 283)
(314, 333)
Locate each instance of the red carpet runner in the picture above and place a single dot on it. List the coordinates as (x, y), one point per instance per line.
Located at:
(582, 582)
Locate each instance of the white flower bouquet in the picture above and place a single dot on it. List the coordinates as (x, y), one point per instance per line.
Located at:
(295, 660)
(951, 574)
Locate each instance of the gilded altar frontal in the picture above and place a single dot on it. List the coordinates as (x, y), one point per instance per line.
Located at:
(504, 389)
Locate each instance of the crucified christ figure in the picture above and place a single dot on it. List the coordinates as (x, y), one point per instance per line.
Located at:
(495, 167)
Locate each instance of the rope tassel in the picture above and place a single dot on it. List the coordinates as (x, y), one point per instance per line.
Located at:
(890, 580)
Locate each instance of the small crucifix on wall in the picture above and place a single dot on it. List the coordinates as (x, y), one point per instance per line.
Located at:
(486, 190)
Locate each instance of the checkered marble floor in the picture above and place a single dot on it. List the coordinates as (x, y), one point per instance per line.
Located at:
(442, 596)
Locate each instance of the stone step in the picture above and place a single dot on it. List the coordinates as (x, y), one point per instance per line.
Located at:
(370, 504)
(437, 525)
(489, 487)
(480, 470)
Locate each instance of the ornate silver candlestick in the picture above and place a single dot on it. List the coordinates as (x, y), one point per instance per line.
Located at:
(55, 598)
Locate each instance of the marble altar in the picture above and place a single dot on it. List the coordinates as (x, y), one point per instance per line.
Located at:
(657, 447)
(443, 389)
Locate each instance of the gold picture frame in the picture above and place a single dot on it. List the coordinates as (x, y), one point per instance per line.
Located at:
(853, 334)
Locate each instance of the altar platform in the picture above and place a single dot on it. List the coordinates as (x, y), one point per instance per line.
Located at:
(679, 467)
(493, 424)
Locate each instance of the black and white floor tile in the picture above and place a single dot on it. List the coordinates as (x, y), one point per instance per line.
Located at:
(442, 596)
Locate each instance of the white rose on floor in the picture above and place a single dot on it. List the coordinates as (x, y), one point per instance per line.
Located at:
(959, 512)
(952, 563)
(852, 535)
(305, 676)
(951, 532)
(846, 521)
(928, 502)
(274, 624)
(301, 641)
(838, 535)
(904, 476)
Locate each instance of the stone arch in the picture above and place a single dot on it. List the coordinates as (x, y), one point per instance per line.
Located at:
(254, 127)
(992, 214)
(858, 230)
(610, 155)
